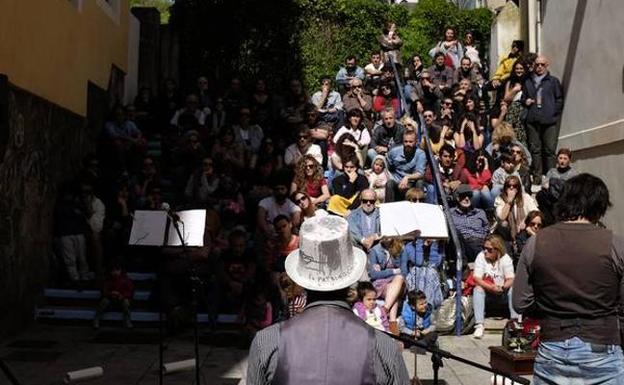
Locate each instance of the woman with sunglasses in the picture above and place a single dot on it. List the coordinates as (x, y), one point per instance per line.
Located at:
(493, 274)
(308, 209)
(309, 178)
(533, 224)
(512, 206)
(387, 97)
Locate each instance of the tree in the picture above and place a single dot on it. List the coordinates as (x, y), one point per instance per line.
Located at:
(162, 6)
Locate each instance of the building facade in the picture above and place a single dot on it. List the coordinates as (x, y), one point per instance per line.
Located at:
(62, 64)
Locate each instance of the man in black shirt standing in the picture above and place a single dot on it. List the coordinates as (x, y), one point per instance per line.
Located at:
(570, 276)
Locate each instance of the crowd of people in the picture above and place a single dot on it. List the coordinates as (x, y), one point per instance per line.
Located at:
(262, 162)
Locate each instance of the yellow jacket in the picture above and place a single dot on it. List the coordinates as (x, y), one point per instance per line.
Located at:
(504, 69)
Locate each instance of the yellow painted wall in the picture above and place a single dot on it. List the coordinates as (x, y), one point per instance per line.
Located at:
(51, 48)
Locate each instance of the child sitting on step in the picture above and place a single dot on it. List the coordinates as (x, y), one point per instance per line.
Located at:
(367, 308)
(117, 290)
(417, 319)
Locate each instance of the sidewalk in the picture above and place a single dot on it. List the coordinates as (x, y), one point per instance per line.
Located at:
(44, 353)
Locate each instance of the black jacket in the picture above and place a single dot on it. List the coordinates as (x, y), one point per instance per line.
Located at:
(548, 112)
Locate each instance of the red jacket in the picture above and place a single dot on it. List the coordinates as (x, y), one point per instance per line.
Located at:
(121, 284)
(477, 181)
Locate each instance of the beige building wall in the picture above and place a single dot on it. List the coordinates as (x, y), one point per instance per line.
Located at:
(584, 40)
(52, 48)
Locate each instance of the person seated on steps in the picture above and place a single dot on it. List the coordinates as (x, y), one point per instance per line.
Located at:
(417, 317)
(117, 290)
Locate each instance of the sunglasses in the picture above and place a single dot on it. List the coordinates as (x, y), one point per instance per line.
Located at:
(513, 186)
(428, 116)
(536, 224)
(298, 201)
(416, 200)
(368, 201)
(488, 249)
(303, 137)
(309, 166)
(540, 64)
(356, 86)
(516, 151)
(465, 196)
(447, 103)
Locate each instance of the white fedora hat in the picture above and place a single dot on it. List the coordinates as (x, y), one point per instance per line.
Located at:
(326, 260)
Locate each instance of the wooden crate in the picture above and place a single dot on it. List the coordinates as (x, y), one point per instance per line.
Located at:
(510, 362)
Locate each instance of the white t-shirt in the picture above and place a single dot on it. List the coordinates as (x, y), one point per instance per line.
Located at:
(499, 271)
(292, 154)
(273, 209)
(362, 136)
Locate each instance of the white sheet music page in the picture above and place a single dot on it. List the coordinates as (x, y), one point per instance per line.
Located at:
(148, 228)
(192, 225)
(407, 218)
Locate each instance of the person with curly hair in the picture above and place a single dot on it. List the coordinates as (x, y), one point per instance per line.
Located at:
(309, 178)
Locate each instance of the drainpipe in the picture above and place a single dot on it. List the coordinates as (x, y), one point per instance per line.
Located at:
(531, 25)
(538, 26)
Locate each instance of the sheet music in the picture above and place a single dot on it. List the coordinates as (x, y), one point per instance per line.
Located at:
(148, 228)
(192, 225)
(405, 218)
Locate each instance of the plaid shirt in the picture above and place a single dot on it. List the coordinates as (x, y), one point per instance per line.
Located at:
(472, 224)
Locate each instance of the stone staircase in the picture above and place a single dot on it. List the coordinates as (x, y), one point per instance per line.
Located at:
(78, 306)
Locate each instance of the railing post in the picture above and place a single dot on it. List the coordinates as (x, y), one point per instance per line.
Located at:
(435, 172)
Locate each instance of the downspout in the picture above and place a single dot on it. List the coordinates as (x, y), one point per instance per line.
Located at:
(538, 26)
(531, 26)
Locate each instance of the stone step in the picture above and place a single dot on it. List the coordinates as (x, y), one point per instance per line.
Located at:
(87, 314)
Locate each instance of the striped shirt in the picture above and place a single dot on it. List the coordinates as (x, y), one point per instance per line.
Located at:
(472, 224)
(389, 366)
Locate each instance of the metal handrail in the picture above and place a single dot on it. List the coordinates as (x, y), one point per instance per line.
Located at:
(435, 172)
(438, 354)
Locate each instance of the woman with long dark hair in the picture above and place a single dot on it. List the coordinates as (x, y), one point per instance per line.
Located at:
(309, 178)
(387, 97)
(513, 94)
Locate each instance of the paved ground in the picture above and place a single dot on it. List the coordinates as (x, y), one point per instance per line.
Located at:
(44, 353)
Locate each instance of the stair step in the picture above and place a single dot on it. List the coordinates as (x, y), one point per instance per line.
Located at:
(63, 313)
(139, 295)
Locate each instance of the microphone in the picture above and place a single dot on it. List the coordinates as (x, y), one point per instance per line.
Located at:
(173, 216)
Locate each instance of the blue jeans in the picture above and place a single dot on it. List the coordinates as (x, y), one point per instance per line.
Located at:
(482, 199)
(574, 361)
(478, 302)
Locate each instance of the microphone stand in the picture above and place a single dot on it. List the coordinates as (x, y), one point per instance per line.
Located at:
(438, 354)
(195, 281)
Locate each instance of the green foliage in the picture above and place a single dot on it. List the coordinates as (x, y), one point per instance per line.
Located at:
(161, 5)
(332, 29)
(429, 19)
(283, 39)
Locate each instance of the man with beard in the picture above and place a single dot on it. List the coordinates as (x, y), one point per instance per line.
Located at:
(364, 224)
(467, 71)
(407, 164)
(277, 204)
(348, 73)
(441, 75)
(386, 135)
(471, 223)
(450, 173)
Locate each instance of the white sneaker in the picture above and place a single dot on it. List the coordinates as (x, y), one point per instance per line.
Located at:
(478, 331)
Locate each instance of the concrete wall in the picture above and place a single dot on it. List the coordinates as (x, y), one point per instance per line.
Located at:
(583, 40)
(52, 48)
(36, 159)
(505, 30)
